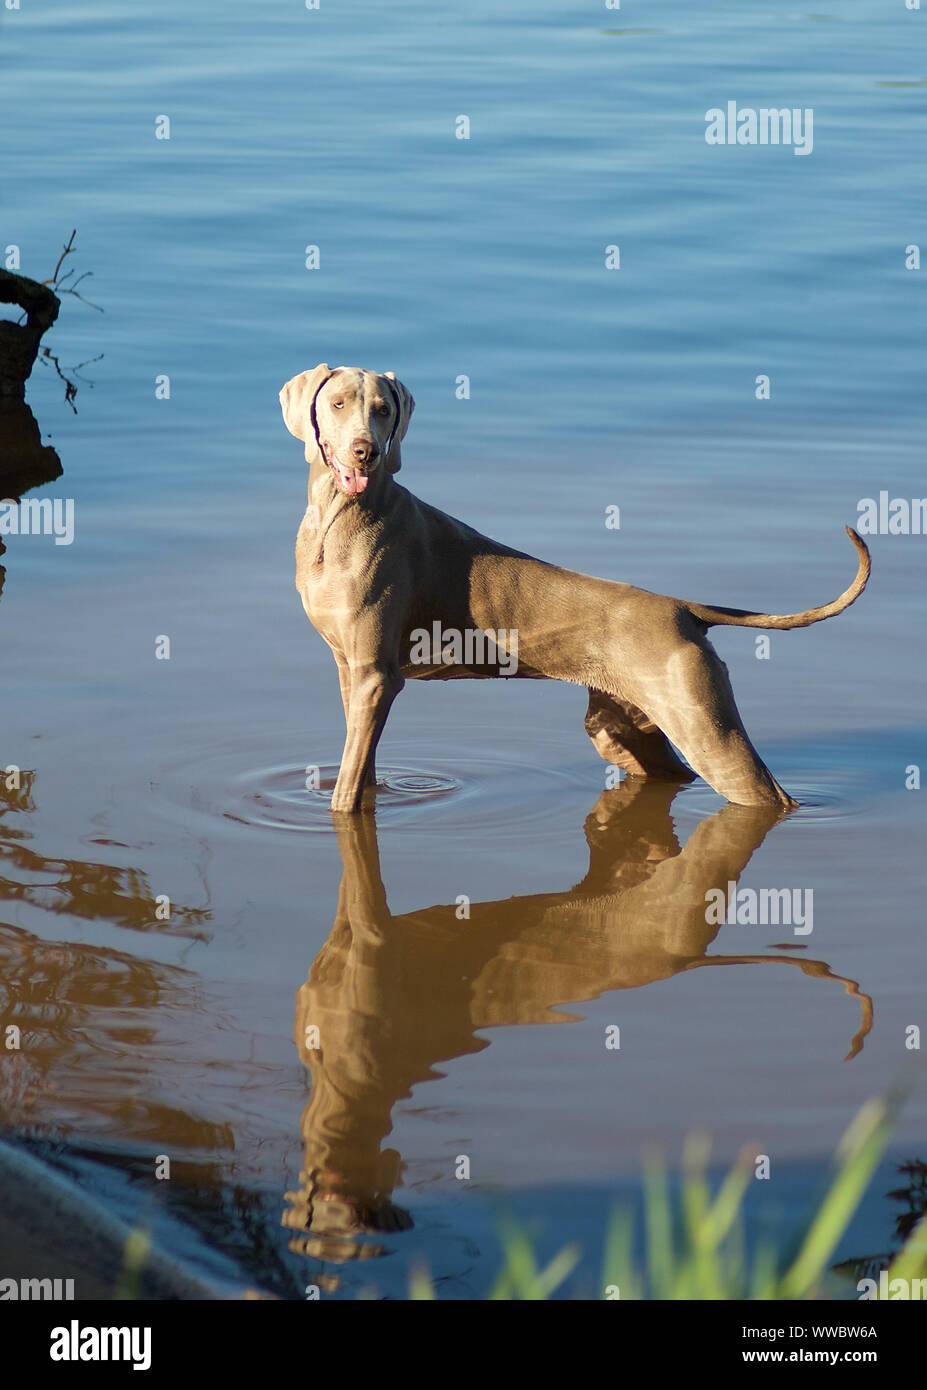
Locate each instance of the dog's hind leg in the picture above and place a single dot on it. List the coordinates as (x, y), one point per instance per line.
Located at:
(693, 703)
(622, 734)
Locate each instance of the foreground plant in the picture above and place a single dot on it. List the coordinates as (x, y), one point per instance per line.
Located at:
(695, 1248)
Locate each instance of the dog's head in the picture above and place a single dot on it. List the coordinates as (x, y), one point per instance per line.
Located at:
(354, 418)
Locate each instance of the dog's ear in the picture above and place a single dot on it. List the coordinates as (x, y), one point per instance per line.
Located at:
(404, 408)
(297, 401)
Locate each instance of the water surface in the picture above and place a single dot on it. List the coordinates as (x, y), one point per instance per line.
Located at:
(589, 388)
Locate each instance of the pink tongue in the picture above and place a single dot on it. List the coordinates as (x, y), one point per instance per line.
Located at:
(352, 481)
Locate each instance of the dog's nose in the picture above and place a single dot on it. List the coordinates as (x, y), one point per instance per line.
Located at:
(362, 449)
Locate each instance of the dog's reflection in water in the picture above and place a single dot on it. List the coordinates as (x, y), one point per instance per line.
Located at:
(388, 997)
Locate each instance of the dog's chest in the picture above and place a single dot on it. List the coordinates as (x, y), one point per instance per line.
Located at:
(334, 565)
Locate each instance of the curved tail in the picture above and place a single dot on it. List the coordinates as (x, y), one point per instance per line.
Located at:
(742, 617)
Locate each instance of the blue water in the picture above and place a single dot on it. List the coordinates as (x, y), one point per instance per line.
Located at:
(589, 387)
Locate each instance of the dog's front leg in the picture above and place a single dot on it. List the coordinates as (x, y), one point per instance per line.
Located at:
(372, 692)
(344, 680)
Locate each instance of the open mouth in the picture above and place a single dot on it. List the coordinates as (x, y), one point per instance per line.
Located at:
(351, 481)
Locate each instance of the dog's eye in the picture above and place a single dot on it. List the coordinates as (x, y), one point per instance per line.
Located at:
(382, 409)
(338, 405)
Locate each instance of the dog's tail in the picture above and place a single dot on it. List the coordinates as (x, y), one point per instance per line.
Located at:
(741, 617)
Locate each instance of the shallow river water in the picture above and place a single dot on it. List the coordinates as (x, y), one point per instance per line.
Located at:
(151, 1030)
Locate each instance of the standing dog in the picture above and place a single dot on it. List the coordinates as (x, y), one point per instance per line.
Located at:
(377, 568)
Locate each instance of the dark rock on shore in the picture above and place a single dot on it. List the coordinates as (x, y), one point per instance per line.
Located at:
(19, 342)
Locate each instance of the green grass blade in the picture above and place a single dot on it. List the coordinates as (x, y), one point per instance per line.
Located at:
(860, 1150)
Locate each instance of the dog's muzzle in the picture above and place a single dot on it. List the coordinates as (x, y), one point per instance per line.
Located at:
(351, 480)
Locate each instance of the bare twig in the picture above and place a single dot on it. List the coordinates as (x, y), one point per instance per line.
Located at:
(70, 387)
(61, 286)
(69, 247)
(73, 290)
